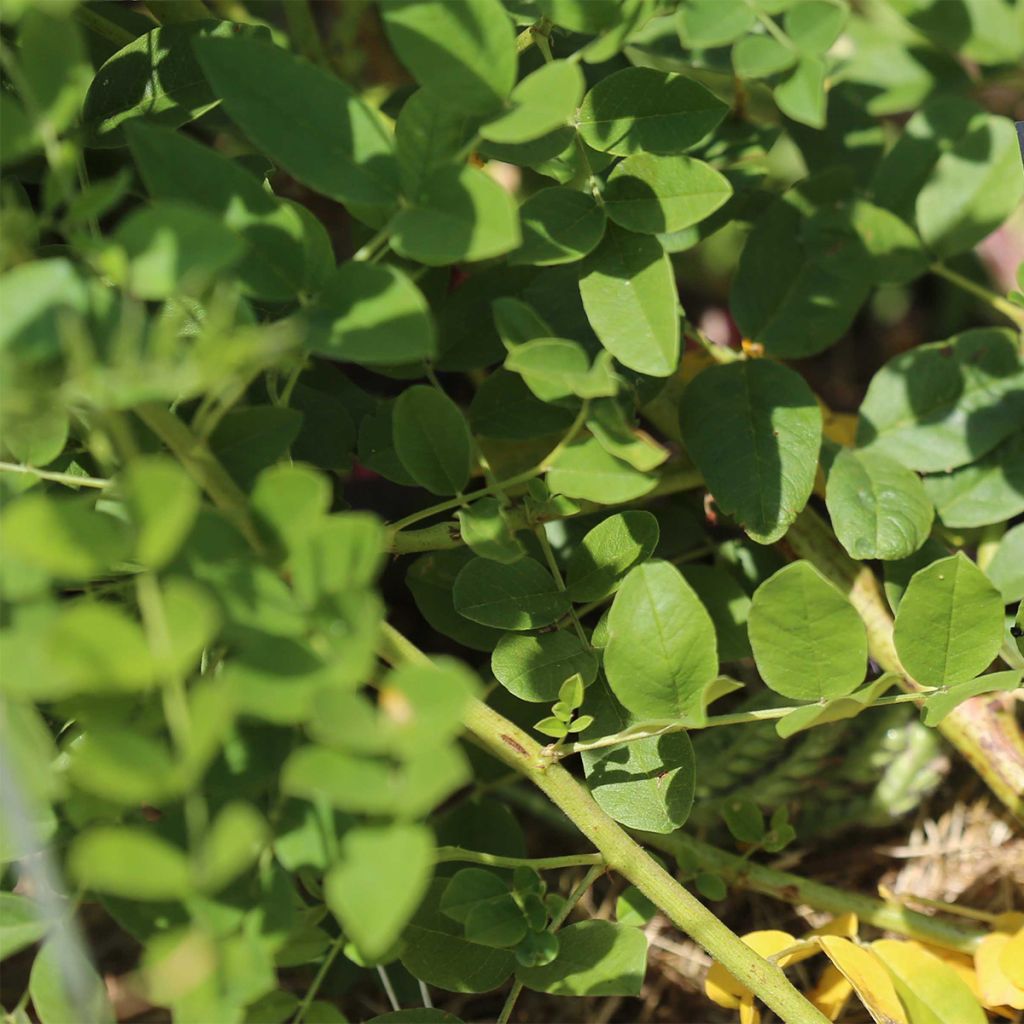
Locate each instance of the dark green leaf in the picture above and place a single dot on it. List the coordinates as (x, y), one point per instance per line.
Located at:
(607, 553)
(432, 439)
(560, 225)
(519, 596)
(534, 667)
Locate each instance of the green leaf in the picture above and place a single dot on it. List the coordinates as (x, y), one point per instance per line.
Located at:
(988, 491)
(629, 294)
(918, 406)
(231, 845)
(801, 95)
(938, 705)
(122, 767)
(708, 23)
(156, 78)
(21, 924)
(517, 322)
(65, 537)
(431, 579)
(436, 951)
(727, 604)
(754, 430)
(744, 820)
(37, 298)
(432, 439)
(131, 862)
(793, 291)
(281, 242)
(595, 958)
(808, 640)
(519, 596)
(373, 315)
(541, 102)
(461, 50)
(420, 1015)
(1006, 569)
(560, 225)
(169, 247)
(640, 110)
(303, 118)
(483, 527)
(534, 667)
(607, 553)
(499, 923)
(164, 503)
(469, 887)
(814, 25)
(504, 408)
(250, 438)
(879, 508)
(661, 650)
(892, 246)
(382, 875)
(758, 56)
(949, 625)
(554, 369)
(612, 425)
(658, 194)
(837, 710)
(64, 986)
(430, 134)
(460, 214)
(585, 470)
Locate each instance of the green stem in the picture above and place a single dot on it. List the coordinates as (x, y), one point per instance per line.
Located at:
(456, 853)
(570, 904)
(96, 22)
(983, 729)
(368, 252)
(997, 302)
(796, 890)
(303, 31)
(549, 556)
(58, 478)
(200, 464)
(530, 35)
(642, 732)
(318, 979)
(514, 747)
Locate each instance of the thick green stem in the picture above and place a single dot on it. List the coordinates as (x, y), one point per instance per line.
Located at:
(621, 853)
(983, 729)
(781, 885)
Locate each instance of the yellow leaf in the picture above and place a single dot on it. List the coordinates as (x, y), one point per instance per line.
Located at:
(749, 1013)
(723, 989)
(1012, 959)
(844, 925)
(832, 992)
(961, 963)
(931, 991)
(996, 988)
(868, 977)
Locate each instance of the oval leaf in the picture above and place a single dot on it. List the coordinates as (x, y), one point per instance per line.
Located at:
(432, 439)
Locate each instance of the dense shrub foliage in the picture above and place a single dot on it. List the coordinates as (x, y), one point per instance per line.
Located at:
(334, 334)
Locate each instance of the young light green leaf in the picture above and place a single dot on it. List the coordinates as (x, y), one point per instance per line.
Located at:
(534, 667)
(122, 767)
(938, 705)
(988, 491)
(660, 194)
(1006, 569)
(461, 50)
(801, 95)
(640, 110)
(754, 430)
(484, 528)
(460, 214)
(373, 315)
(612, 424)
(168, 247)
(155, 77)
(21, 923)
(303, 118)
(554, 369)
(164, 503)
(879, 509)
(131, 862)
(608, 552)
(231, 845)
(708, 23)
(585, 470)
(949, 625)
(814, 25)
(437, 952)
(519, 596)
(595, 958)
(560, 225)
(808, 640)
(432, 439)
(381, 876)
(661, 650)
(629, 294)
(758, 56)
(541, 102)
(918, 404)
(64, 986)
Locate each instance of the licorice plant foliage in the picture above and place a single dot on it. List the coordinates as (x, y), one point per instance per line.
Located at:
(336, 316)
